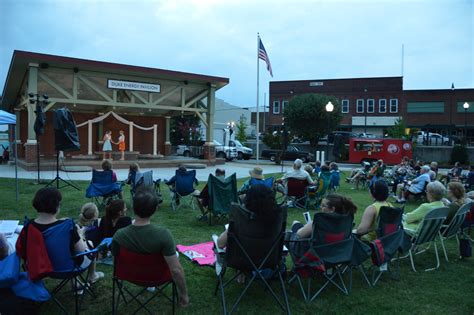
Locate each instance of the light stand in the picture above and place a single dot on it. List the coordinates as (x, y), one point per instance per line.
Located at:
(329, 109)
(40, 121)
(466, 108)
(58, 178)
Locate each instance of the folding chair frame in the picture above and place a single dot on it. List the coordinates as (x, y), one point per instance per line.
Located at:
(454, 228)
(256, 275)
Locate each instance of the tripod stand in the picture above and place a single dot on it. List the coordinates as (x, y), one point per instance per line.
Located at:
(58, 179)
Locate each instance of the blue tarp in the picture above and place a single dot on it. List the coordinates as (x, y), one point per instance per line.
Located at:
(6, 118)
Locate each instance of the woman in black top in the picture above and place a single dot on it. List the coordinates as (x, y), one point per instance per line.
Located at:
(114, 218)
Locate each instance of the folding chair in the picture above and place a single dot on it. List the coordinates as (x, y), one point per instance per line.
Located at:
(317, 192)
(333, 244)
(454, 227)
(221, 195)
(182, 188)
(427, 233)
(103, 189)
(296, 192)
(421, 195)
(145, 179)
(391, 241)
(267, 182)
(143, 271)
(255, 249)
(65, 267)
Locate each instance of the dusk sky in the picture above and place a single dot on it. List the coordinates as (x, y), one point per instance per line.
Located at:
(304, 39)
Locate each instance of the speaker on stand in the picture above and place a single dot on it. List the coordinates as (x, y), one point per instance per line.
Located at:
(66, 138)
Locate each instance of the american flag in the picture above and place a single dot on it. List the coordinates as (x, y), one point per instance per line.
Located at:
(262, 54)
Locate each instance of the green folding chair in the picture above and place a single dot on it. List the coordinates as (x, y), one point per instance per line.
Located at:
(222, 193)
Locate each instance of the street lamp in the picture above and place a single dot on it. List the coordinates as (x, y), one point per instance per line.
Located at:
(329, 109)
(466, 108)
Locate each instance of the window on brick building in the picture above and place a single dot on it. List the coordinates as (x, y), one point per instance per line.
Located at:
(394, 105)
(276, 107)
(382, 105)
(345, 106)
(370, 105)
(360, 105)
(283, 105)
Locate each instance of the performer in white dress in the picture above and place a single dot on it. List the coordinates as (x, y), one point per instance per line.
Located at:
(107, 148)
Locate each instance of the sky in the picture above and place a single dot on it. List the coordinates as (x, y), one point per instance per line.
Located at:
(305, 40)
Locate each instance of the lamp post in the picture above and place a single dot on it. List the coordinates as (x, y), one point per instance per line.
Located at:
(329, 109)
(466, 108)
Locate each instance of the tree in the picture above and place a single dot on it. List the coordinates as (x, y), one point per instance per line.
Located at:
(241, 127)
(185, 130)
(398, 130)
(306, 116)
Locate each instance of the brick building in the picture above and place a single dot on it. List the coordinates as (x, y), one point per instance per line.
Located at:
(374, 104)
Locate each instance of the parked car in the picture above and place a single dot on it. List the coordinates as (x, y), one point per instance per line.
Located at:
(243, 152)
(431, 138)
(345, 136)
(225, 152)
(291, 153)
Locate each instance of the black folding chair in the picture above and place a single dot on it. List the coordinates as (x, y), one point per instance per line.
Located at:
(255, 249)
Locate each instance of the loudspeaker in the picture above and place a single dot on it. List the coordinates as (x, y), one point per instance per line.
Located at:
(40, 120)
(66, 137)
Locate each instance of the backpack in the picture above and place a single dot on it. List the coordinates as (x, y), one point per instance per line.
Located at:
(30, 244)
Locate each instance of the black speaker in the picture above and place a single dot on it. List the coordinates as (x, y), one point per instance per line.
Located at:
(66, 137)
(40, 120)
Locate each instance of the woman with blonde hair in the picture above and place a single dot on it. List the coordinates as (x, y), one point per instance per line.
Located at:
(456, 198)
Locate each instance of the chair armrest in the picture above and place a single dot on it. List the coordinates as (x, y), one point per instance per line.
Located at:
(217, 249)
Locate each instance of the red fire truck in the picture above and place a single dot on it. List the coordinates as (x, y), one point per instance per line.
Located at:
(391, 151)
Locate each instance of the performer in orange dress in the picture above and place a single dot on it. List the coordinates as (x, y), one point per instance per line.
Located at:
(121, 144)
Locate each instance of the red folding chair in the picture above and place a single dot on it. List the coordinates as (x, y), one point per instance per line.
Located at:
(296, 192)
(142, 270)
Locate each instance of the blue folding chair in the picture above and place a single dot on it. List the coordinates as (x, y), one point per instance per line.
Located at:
(267, 182)
(103, 189)
(182, 187)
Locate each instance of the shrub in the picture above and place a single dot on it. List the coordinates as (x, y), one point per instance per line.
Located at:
(459, 154)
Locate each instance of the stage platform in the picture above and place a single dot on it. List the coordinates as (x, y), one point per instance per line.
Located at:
(85, 164)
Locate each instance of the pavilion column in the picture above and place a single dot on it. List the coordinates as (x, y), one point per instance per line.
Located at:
(31, 143)
(209, 149)
(167, 135)
(130, 132)
(89, 137)
(155, 135)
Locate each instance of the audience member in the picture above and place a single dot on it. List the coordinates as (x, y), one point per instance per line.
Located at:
(368, 224)
(456, 198)
(359, 175)
(297, 173)
(416, 186)
(335, 176)
(107, 167)
(332, 203)
(115, 218)
(145, 238)
(203, 197)
(4, 247)
(88, 223)
(255, 174)
(47, 203)
(434, 193)
(172, 181)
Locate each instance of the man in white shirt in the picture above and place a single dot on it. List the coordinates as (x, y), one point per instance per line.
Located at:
(297, 172)
(416, 186)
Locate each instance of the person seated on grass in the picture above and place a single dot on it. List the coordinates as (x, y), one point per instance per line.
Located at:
(434, 193)
(434, 168)
(142, 237)
(453, 174)
(416, 186)
(133, 169)
(203, 197)
(256, 174)
(335, 176)
(456, 198)
(115, 218)
(368, 223)
(332, 203)
(47, 203)
(88, 223)
(317, 167)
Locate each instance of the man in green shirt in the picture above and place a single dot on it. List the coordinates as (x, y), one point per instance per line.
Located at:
(434, 193)
(145, 238)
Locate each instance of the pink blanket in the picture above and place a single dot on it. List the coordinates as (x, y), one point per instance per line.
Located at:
(201, 253)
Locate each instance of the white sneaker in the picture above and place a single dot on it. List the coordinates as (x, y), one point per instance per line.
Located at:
(151, 289)
(96, 277)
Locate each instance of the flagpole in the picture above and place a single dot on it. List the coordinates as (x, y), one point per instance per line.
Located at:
(258, 113)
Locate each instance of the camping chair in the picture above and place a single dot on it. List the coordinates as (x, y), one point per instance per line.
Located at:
(182, 188)
(143, 271)
(427, 233)
(316, 193)
(65, 267)
(103, 189)
(267, 182)
(454, 227)
(391, 241)
(145, 179)
(255, 249)
(329, 252)
(296, 192)
(221, 195)
(421, 195)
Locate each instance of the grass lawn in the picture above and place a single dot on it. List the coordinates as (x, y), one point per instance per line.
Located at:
(448, 290)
